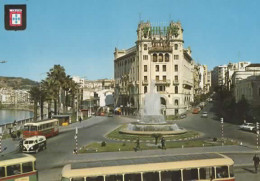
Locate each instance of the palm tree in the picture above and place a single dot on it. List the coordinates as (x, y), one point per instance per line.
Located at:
(35, 96)
(58, 75)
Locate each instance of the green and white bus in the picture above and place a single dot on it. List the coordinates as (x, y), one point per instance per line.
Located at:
(18, 167)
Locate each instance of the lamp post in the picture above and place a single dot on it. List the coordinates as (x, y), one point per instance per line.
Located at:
(257, 135)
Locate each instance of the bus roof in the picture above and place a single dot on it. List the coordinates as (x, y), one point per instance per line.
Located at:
(16, 158)
(41, 122)
(146, 164)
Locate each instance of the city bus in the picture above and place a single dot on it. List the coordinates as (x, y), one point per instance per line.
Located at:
(18, 167)
(192, 167)
(45, 128)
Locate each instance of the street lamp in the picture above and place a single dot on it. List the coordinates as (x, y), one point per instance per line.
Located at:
(222, 130)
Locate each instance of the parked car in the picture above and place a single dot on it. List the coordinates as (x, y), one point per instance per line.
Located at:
(248, 126)
(34, 144)
(204, 115)
(196, 110)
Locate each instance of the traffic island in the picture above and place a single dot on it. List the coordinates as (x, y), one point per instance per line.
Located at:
(131, 146)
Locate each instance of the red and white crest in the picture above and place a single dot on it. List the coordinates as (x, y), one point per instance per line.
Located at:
(15, 17)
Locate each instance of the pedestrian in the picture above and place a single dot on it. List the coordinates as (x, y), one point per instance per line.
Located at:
(80, 119)
(137, 144)
(18, 133)
(163, 143)
(256, 162)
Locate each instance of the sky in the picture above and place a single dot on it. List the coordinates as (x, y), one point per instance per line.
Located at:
(81, 35)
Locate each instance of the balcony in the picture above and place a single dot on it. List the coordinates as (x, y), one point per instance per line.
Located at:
(163, 82)
(187, 84)
(145, 82)
(160, 49)
(176, 82)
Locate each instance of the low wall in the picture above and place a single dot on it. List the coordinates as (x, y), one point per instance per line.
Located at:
(4, 129)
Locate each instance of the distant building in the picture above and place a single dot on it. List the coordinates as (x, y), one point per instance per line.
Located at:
(231, 68)
(159, 56)
(250, 89)
(218, 78)
(11, 96)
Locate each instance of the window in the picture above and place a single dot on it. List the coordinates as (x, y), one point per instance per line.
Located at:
(134, 176)
(157, 69)
(145, 46)
(145, 68)
(171, 175)
(78, 179)
(13, 170)
(175, 46)
(145, 57)
(167, 58)
(27, 167)
(160, 88)
(151, 176)
(160, 57)
(176, 77)
(99, 178)
(176, 89)
(145, 89)
(176, 68)
(176, 57)
(157, 78)
(206, 173)
(114, 177)
(176, 102)
(164, 78)
(155, 57)
(164, 68)
(191, 174)
(145, 78)
(222, 172)
(2, 172)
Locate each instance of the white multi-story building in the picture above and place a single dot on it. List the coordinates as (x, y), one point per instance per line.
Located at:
(159, 56)
(11, 96)
(208, 84)
(231, 68)
(218, 76)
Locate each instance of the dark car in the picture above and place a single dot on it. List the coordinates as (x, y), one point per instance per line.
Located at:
(183, 116)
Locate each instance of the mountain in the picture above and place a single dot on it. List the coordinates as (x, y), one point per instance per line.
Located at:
(17, 82)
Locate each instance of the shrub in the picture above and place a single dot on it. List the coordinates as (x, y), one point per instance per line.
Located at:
(103, 143)
(215, 139)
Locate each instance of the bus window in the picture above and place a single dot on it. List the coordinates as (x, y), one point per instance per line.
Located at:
(26, 128)
(13, 170)
(191, 174)
(114, 178)
(151, 176)
(206, 173)
(222, 172)
(27, 167)
(171, 175)
(231, 171)
(33, 128)
(133, 177)
(2, 172)
(78, 179)
(99, 178)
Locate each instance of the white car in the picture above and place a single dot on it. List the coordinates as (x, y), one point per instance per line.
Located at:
(204, 115)
(248, 126)
(34, 144)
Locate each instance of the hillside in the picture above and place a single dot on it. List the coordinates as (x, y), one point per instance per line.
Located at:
(16, 82)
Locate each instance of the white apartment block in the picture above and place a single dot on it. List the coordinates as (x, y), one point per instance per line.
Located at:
(218, 76)
(208, 85)
(250, 89)
(158, 56)
(231, 68)
(11, 96)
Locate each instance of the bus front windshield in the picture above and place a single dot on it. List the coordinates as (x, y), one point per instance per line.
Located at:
(30, 128)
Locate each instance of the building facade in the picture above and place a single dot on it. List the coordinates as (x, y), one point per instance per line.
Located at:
(159, 56)
(218, 76)
(250, 89)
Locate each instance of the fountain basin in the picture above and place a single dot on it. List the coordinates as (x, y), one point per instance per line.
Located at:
(137, 128)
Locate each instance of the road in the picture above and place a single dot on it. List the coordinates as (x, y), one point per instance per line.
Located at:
(211, 127)
(59, 149)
